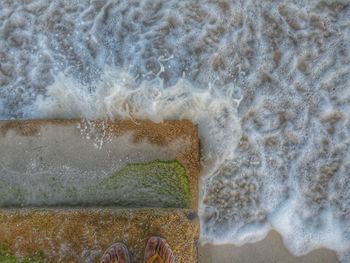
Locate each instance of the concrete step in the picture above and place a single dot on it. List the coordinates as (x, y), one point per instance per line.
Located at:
(76, 162)
(83, 234)
(93, 183)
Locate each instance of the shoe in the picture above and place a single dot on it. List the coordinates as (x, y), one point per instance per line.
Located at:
(158, 251)
(117, 253)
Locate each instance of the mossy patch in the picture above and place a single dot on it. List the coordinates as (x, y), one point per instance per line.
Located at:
(154, 184)
(6, 256)
(12, 195)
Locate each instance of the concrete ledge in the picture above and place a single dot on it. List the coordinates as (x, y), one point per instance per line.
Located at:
(54, 162)
(79, 163)
(82, 235)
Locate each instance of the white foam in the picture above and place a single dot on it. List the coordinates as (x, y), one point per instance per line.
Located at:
(277, 159)
(117, 95)
(2, 109)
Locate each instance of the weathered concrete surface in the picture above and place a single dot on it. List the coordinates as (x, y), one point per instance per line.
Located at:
(53, 162)
(82, 235)
(78, 163)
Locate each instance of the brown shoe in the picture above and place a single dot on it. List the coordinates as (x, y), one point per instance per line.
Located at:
(117, 253)
(158, 251)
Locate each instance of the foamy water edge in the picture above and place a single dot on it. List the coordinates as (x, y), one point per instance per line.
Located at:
(268, 83)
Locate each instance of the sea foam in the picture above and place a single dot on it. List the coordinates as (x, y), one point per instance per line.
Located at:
(267, 82)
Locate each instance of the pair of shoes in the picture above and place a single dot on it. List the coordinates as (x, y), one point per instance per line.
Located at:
(157, 251)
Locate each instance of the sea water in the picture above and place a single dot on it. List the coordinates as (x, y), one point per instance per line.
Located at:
(267, 82)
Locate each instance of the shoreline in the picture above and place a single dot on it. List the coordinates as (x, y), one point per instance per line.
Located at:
(269, 250)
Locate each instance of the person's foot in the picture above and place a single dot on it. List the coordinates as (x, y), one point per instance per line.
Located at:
(117, 253)
(158, 251)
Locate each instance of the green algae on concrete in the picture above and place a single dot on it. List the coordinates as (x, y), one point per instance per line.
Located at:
(6, 256)
(12, 195)
(153, 184)
(52, 163)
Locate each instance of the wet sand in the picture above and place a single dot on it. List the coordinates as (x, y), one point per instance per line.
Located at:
(269, 250)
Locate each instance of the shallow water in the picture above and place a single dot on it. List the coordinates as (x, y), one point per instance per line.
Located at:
(268, 83)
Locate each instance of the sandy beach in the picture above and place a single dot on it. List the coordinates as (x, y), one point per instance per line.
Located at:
(269, 250)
